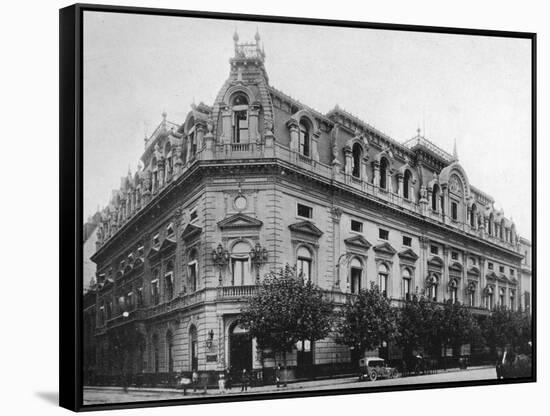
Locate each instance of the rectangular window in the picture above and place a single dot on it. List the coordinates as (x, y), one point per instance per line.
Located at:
(355, 280)
(356, 226)
(170, 231)
(407, 241)
(155, 292)
(192, 268)
(490, 266)
(512, 271)
(454, 255)
(305, 211)
(241, 271)
(501, 269)
(382, 283)
(383, 234)
(407, 289)
(472, 299)
(304, 269)
(156, 240)
(241, 127)
(193, 215)
(473, 260)
(434, 249)
(454, 210)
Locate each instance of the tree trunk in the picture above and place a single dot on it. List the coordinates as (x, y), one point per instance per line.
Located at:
(286, 370)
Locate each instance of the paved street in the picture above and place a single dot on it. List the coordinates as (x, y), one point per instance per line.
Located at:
(100, 395)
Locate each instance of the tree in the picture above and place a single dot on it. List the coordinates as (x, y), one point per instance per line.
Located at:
(286, 310)
(414, 321)
(454, 325)
(504, 327)
(366, 321)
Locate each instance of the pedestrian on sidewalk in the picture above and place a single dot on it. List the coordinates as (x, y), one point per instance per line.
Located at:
(195, 380)
(228, 379)
(278, 372)
(244, 380)
(221, 383)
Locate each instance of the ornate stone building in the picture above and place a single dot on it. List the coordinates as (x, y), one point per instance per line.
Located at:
(257, 180)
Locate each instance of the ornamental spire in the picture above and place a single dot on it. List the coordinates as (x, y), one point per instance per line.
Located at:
(455, 152)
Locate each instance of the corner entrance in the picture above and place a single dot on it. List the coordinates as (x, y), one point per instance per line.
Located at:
(240, 350)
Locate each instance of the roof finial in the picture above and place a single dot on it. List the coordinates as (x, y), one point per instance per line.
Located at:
(235, 36)
(257, 35)
(418, 131)
(455, 153)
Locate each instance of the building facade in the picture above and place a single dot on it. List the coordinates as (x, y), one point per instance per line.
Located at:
(258, 180)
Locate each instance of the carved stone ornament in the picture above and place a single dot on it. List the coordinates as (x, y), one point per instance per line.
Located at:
(454, 185)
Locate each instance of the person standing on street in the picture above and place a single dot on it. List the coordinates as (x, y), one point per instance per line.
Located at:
(278, 374)
(195, 380)
(244, 380)
(221, 383)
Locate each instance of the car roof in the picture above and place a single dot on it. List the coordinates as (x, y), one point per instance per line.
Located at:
(374, 359)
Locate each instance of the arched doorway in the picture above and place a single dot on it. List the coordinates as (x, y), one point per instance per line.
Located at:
(240, 349)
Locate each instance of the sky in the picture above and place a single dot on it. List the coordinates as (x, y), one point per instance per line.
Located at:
(472, 89)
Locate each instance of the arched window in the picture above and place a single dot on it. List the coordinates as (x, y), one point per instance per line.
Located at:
(383, 273)
(490, 225)
(435, 197)
(473, 215)
(512, 300)
(432, 287)
(303, 263)
(240, 264)
(489, 298)
(502, 297)
(192, 269)
(169, 280)
(407, 183)
(471, 294)
(304, 138)
(383, 173)
(154, 177)
(240, 118)
(193, 348)
(357, 153)
(406, 279)
(453, 288)
(170, 351)
(502, 229)
(356, 273)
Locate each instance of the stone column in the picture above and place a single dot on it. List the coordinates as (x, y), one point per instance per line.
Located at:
(315, 145)
(336, 214)
(445, 275)
(400, 185)
(189, 156)
(146, 189)
(253, 116)
(423, 266)
(199, 135)
(376, 176)
(348, 160)
(445, 205)
(226, 125)
(208, 146)
(364, 162)
(389, 184)
(482, 282)
(294, 139)
(178, 163)
(161, 163)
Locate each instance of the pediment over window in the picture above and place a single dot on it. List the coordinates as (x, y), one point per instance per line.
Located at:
(456, 267)
(408, 255)
(513, 281)
(435, 261)
(239, 221)
(190, 231)
(491, 275)
(153, 252)
(385, 248)
(358, 242)
(473, 270)
(306, 227)
(502, 278)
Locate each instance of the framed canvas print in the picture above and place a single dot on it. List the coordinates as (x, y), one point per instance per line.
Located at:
(257, 207)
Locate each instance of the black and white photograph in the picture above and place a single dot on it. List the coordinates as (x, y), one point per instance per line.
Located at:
(278, 209)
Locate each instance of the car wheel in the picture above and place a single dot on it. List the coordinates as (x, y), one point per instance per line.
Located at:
(373, 376)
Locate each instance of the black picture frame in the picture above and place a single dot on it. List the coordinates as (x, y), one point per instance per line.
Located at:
(71, 200)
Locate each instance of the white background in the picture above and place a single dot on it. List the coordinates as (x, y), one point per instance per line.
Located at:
(29, 208)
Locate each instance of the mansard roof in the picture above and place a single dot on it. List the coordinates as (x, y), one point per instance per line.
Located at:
(239, 221)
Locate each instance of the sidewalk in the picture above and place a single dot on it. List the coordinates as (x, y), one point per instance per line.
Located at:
(271, 388)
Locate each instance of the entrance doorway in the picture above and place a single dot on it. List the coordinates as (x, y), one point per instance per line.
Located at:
(240, 351)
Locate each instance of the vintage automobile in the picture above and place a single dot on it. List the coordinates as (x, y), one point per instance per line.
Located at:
(372, 368)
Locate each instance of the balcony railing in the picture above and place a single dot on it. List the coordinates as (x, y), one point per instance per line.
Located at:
(238, 291)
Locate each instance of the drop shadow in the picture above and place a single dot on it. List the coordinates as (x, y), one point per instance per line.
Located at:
(51, 397)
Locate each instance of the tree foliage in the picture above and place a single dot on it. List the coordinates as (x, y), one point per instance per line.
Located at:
(454, 325)
(366, 321)
(414, 322)
(505, 327)
(287, 310)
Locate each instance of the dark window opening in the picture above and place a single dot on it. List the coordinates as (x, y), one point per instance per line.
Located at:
(454, 211)
(434, 249)
(305, 211)
(407, 241)
(383, 234)
(357, 226)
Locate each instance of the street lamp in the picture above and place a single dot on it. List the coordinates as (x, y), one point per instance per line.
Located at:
(258, 256)
(221, 257)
